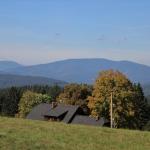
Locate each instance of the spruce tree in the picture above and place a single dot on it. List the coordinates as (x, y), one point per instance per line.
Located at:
(142, 109)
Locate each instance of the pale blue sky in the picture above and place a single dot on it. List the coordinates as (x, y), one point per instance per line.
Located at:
(40, 31)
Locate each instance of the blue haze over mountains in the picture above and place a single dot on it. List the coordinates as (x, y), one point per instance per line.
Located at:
(78, 70)
(7, 80)
(8, 65)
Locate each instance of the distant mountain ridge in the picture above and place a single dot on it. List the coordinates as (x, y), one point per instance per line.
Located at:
(8, 80)
(7, 65)
(84, 70)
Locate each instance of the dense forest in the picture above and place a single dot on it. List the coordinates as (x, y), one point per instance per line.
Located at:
(10, 97)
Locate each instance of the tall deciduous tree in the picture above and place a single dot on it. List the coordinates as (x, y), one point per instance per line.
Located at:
(124, 107)
(76, 94)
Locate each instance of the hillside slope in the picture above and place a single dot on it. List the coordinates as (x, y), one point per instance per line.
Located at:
(7, 80)
(86, 70)
(8, 65)
(22, 134)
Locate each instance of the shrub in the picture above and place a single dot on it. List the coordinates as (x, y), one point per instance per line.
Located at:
(29, 100)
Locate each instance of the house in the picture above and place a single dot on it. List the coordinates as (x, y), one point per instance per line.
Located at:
(37, 113)
(63, 113)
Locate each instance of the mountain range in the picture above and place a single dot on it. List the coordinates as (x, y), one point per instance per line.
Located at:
(78, 70)
(7, 65)
(82, 70)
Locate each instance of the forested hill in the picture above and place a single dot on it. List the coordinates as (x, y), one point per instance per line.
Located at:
(7, 80)
(85, 70)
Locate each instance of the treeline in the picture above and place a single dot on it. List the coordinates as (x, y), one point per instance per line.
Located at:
(130, 106)
(10, 97)
(28, 96)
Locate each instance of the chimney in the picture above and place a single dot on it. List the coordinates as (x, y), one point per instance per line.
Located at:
(97, 118)
(54, 104)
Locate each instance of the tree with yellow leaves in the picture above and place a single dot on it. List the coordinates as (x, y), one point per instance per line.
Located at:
(124, 105)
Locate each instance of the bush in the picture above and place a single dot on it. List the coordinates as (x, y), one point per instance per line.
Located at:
(29, 100)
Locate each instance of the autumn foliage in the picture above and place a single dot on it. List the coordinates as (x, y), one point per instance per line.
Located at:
(125, 97)
(30, 99)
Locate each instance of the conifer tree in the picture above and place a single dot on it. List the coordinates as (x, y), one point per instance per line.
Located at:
(142, 109)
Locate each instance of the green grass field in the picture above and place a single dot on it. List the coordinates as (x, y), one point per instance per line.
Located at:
(19, 134)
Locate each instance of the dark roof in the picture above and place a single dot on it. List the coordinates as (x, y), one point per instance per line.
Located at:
(86, 120)
(69, 112)
(56, 112)
(61, 109)
(37, 113)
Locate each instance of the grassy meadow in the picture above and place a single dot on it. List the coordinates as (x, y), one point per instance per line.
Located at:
(21, 134)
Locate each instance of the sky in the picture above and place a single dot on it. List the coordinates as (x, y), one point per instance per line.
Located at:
(41, 31)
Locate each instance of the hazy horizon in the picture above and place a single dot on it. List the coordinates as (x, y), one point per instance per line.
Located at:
(46, 31)
(53, 61)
